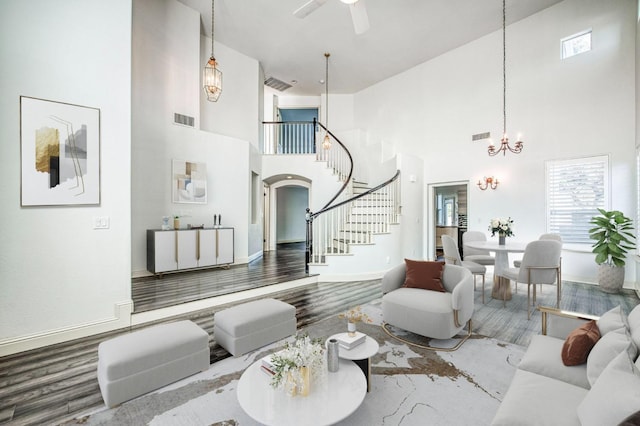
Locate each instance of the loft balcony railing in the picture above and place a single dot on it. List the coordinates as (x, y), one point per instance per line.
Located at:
(289, 137)
(301, 137)
(346, 218)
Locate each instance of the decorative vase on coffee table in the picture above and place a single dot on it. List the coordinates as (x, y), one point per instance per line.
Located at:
(351, 328)
(502, 239)
(304, 382)
(298, 382)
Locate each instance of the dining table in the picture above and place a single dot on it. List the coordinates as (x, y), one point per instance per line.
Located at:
(501, 285)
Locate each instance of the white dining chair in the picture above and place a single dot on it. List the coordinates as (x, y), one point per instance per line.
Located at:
(476, 255)
(549, 236)
(541, 264)
(452, 257)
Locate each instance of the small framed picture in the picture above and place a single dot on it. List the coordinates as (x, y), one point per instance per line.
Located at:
(189, 182)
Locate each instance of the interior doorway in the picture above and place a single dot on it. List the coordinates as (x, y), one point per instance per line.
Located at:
(285, 204)
(447, 209)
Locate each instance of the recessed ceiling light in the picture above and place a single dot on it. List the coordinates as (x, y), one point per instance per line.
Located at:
(321, 81)
(289, 177)
(294, 81)
(348, 1)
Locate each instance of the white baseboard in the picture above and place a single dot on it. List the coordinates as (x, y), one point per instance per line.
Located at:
(121, 319)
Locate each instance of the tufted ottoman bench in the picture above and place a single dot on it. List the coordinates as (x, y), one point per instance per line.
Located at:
(139, 362)
(243, 328)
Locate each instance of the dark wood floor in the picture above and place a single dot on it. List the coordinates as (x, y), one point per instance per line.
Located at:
(53, 384)
(286, 263)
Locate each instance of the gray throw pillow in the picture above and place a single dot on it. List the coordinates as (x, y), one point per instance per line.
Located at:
(612, 320)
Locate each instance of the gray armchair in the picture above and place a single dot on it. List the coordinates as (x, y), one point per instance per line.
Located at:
(439, 315)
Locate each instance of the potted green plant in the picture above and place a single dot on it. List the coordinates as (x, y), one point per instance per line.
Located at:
(613, 236)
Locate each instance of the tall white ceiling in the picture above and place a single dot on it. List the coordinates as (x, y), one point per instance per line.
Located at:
(402, 34)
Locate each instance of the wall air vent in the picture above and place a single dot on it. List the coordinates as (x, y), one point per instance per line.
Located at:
(480, 136)
(279, 85)
(183, 120)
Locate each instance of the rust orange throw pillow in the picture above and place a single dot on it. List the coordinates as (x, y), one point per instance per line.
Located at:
(579, 343)
(424, 274)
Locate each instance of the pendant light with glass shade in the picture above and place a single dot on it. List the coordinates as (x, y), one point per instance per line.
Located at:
(326, 143)
(212, 76)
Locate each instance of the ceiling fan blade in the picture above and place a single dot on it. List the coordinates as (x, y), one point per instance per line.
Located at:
(359, 17)
(307, 8)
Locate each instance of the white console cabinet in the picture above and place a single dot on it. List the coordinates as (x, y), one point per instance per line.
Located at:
(176, 250)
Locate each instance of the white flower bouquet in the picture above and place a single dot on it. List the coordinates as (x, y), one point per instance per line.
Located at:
(501, 226)
(303, 352)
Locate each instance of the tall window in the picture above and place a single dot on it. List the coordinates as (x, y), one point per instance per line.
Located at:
(575, 190)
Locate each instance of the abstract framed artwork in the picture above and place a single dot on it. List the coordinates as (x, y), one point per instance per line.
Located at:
(189, 182)
(60, 153)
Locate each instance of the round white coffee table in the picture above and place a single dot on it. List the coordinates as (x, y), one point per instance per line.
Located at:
(330, 400)
(361, 355)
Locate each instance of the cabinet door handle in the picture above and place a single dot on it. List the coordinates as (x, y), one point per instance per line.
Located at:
(176, 240)
(198, 245)
(217, 245)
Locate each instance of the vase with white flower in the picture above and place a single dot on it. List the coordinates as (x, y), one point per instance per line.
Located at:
(353, 316)
(297, 365)
(503, 227)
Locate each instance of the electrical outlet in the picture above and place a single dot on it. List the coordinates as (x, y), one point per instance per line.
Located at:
(101, 222)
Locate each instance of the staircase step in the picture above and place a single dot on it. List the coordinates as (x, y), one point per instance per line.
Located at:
(375, 210)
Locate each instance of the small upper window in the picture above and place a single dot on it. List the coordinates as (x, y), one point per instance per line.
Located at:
(576, 44)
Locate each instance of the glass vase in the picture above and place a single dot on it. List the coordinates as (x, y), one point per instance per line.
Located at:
(291, 384)
(351, 328)
(502, 239)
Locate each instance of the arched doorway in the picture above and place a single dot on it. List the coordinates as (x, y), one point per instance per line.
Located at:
(286, 199)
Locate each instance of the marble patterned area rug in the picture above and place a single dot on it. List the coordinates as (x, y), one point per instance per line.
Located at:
(410, 385)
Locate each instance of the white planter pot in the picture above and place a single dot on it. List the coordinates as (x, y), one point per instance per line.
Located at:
(610, 278)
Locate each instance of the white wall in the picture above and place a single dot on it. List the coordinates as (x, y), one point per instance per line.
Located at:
(576, 107)
(229, 128)
(324, 184)
(637, 55)
(237, 111)
(58, 274)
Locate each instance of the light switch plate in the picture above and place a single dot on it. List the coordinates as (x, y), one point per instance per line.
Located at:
(101, 222)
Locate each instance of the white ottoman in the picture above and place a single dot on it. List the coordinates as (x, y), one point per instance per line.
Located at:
(243, 328)
(139, 362)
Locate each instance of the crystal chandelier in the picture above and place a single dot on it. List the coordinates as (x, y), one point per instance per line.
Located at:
(212, 76)
(504, 142)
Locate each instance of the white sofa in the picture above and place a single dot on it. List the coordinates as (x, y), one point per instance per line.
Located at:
(603, 391)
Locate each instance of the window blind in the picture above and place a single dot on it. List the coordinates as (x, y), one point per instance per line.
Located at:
(575, 190)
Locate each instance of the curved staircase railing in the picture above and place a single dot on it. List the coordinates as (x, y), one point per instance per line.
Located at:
(351, 221)
(347, 218)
